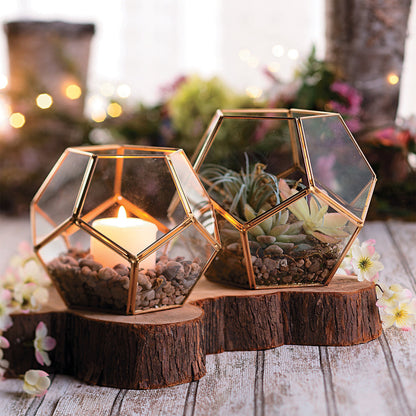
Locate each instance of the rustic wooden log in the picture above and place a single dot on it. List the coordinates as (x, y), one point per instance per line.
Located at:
(169, 347)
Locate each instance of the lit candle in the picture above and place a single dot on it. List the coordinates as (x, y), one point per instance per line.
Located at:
(133, 234)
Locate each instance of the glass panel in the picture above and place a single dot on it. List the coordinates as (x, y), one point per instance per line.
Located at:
(148, 184)
(59, 197)
(229, 264)
(300, 245)
(102, 188)
(43, 226)
(246, 159)
(195, 193)
(337, 165)
(82, 281)
(179, 265)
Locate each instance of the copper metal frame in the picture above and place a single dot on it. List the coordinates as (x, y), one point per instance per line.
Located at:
(79, 221)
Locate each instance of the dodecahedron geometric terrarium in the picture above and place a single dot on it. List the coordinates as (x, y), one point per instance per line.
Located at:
(101, 228)
(291, 188)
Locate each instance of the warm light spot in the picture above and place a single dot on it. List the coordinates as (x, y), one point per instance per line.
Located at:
(293, 54)
(114, 110)
(244, 55)
(392, 78)
(254, 92)
(44, 101)
(73, 91)
(98, 116)
(123, 91)
(278, 51)
(96, 107)
(273, 66)
(3, 81)
(17, 120)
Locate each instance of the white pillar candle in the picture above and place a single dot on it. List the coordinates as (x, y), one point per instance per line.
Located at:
(133, 234)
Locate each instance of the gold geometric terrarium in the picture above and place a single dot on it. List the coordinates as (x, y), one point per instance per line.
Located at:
(291, 188)
(101, 228)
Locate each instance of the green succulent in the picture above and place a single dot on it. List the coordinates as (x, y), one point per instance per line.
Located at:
(248, 194)
(326, 227)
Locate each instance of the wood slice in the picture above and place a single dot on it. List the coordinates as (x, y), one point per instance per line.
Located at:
(169, 347)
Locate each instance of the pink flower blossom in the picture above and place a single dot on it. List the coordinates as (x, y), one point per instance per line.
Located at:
(42, 344)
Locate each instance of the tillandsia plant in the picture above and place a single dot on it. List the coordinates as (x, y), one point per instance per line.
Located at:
(299, 244)
(248, 194)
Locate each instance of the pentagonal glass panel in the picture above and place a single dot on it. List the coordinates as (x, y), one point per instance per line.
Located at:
(194, 193)
(43, 225)
(301, 245)
(247, 156)
(229, 264)
(80, 279)
(338, 166)
(61, 190)
(179, 264)
(147, 183)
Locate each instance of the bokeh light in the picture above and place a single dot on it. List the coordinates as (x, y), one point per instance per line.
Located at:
(17, 120)
(73, 91)
(123, 91)
(114, 110)
(44, 101)
(293, 54)
(392, 78)
(278, 51)
(254, 92)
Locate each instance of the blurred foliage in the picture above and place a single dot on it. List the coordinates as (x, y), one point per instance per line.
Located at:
(180, 120)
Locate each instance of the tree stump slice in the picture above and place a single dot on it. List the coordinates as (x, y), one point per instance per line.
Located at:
(169, 347)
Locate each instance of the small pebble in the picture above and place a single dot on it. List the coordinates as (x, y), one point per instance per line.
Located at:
(144, 281)
(93, 265)
(174, 270)
(107, 273)
(122, 270)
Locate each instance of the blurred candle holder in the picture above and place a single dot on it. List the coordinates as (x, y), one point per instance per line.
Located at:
(291, 195)
(102, 227)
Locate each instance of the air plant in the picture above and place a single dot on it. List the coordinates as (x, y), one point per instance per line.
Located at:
(248, 194)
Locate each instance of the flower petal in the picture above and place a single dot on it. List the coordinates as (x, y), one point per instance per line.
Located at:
(41, 330)
(4, 343)
(48, 343)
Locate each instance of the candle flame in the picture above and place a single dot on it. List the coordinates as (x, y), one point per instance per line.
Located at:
(122, 215)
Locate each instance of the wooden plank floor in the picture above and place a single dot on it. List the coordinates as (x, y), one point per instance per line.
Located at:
(374, 378)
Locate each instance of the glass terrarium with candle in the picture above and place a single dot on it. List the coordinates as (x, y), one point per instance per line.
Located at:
(291, 189)
(104, 228)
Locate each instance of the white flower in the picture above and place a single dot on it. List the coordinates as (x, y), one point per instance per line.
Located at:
(42, 344)
(36, 382)
(30, 296)
(5, 309)
(26, 280)
(4, 364)
(365, 261)
(397, 307)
